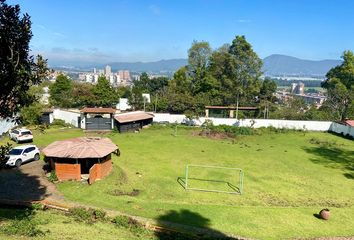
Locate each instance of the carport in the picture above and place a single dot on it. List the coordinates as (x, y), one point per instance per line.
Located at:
(98, 118)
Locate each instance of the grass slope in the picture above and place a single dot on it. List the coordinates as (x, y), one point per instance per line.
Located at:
(288, 178)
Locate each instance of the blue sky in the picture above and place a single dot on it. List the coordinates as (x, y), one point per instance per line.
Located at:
(132, 30)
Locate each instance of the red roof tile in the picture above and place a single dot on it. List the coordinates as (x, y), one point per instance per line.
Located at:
(98, 110)
(132, 116)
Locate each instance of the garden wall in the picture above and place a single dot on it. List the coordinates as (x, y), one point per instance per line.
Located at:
(256, 123)
(68, 116)
(345, 130)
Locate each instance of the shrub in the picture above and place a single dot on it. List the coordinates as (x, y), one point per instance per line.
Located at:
(53, 176)
(60, 123)
(31, 115)
(130, 223)
(88, 216)
(4, 150)
(26, 226)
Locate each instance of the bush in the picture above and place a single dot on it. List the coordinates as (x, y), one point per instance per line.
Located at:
(31, 115)
(53, 176)
(130, 223)
(26, 226)
(60, 123)
(4, 150)
(88, 216)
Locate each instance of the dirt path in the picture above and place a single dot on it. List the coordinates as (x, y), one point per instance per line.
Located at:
(27, 183)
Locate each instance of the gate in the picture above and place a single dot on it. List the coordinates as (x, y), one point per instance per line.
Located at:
(98, 124)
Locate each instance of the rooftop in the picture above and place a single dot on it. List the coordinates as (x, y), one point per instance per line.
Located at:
(98, 110)
(133, 116)
(83, 147)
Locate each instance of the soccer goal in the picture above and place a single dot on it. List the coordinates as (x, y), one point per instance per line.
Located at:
(213, 179)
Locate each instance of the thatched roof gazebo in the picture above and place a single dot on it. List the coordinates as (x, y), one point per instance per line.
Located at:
(74, 157)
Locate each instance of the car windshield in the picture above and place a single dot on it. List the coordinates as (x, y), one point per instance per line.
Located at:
(15, 152)
(26, 133)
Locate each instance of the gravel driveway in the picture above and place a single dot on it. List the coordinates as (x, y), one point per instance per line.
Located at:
(27, 183)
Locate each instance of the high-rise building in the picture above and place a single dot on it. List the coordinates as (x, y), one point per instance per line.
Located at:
(107, 70)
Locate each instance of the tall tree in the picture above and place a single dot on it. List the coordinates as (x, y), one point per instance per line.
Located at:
(340, 87)
(61, 92)
(246, 69)
(105, 95)
(18, 70)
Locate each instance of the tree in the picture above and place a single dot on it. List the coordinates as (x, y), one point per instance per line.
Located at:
(245, 69)
(82, 95)
(18, 71)
(31, 115)
(61, 92)
(340, 87)
(105, 95)
(266, 95)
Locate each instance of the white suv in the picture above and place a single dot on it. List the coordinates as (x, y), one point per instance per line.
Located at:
(21, 135)
(21, 154)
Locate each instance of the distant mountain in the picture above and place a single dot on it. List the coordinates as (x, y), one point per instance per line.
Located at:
(277, 64)
(170, 65)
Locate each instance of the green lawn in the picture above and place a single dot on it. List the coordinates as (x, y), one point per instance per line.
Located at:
(56, 225)
(288, 178)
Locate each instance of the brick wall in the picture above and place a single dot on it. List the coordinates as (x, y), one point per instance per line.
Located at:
(100, 170)
(66, 171)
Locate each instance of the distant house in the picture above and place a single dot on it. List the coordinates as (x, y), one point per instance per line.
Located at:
(348, 122)
(74, 158)
(226, 111)
(132, 121)
(97, 118)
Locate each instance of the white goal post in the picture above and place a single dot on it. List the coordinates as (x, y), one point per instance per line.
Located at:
(238, 174)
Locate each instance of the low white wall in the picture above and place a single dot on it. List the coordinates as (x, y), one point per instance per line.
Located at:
(6, 124)
(67, 116)
(342, 129)
(256, 123)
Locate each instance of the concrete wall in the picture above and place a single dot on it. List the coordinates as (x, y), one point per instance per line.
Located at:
(256, 123)
(6, 124)
(68, 116)
(342, 129)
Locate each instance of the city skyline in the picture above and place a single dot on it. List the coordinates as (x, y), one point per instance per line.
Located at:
(129, 31)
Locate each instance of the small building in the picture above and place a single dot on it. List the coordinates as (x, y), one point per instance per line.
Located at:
(77, 158)
(47, 116)
(226, 111)
(132, 121)
(97, 119)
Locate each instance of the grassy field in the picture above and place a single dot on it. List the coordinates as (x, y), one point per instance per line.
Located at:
(56, 225)
(288, 178)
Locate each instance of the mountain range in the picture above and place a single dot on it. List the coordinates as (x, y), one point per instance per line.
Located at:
(273, 65)
(277, 64)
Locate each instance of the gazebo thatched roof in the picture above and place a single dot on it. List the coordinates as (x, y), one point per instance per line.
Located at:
(83, 147)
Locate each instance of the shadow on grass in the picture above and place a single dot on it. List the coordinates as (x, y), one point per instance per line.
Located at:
(187, 225)
(333, 157)
(18, 186)
(182, 182)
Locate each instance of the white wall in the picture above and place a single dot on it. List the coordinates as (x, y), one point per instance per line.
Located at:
(67, 116)
(342, 129)
(256, 123)
(6, 124)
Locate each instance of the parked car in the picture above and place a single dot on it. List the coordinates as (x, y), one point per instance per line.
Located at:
(21, 135)
(22, 154)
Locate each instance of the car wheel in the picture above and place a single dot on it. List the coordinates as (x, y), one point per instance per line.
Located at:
(18, 162)
(36, 157)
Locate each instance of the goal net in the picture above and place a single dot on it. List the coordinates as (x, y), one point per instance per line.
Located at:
(213, 179)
